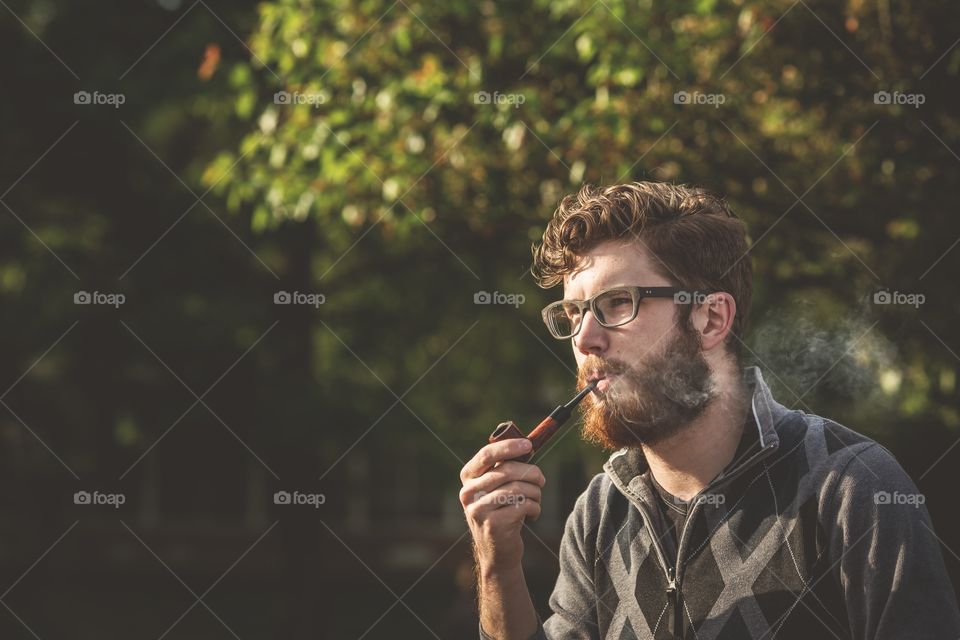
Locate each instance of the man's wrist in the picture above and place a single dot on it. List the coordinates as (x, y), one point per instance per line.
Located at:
(506, 575)
(505, 603)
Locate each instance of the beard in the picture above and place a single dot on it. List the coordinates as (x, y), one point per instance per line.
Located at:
(651, 402)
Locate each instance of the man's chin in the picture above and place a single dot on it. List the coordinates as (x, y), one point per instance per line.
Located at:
(614, 439)
(602, 428)
(603, 425)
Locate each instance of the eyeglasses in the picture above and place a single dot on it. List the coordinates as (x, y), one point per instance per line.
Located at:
(612, 308)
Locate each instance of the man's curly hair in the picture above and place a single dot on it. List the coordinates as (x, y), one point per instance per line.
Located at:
(692, 236)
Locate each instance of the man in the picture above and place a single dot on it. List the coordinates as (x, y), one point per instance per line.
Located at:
(722, 514)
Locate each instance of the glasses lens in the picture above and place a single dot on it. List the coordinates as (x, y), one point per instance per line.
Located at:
(563, 319)
(615, 307)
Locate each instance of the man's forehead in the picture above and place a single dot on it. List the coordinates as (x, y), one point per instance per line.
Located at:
(608, 265)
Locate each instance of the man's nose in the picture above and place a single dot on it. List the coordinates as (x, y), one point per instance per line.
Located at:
(592, 337)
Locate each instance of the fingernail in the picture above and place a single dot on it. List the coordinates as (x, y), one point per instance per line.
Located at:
(524, 444)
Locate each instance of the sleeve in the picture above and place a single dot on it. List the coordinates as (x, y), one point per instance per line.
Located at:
(536, 636)
(574, 598)
(887, 556)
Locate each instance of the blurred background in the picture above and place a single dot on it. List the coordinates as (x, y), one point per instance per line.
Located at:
(265, 288)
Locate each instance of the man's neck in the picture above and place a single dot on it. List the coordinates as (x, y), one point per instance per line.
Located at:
(688, 461)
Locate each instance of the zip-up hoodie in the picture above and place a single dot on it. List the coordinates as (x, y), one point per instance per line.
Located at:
(819, 533)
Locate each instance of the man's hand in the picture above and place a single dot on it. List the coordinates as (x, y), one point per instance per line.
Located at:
(497, 495)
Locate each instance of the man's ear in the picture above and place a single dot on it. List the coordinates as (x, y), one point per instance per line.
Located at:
(713, 319)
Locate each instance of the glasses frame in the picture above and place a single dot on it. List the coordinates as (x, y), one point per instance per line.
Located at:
(637, 293)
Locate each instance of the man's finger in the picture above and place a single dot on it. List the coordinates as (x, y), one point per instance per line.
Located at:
(491, 454)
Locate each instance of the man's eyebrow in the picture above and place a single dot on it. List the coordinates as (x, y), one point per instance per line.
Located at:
(598, 289)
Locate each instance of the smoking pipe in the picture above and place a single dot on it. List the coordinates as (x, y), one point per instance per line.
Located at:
(543, 431)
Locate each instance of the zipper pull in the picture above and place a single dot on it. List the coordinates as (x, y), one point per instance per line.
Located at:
(672, 597)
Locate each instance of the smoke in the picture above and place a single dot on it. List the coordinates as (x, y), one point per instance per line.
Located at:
(805, 353)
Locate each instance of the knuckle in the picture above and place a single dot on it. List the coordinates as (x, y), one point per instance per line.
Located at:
(486, 456)
(470, 510)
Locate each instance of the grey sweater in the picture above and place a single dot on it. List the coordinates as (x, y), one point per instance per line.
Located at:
(817, 534)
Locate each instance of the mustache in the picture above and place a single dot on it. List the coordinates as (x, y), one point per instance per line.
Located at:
(596, 367)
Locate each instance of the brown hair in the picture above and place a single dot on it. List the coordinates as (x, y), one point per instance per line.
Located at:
(695, 240)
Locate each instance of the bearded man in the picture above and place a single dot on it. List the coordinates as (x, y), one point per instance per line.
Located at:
(720, 514)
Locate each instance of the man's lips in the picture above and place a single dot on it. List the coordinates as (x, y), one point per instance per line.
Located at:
(604, 382)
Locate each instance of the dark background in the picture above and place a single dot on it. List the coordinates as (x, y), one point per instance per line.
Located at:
(399, 197)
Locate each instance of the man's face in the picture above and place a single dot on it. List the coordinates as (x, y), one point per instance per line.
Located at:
(655, 377)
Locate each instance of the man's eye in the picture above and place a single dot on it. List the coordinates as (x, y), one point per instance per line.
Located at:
(619, 302)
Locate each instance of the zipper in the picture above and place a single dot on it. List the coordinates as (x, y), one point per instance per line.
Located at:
(674, 621)
(674, 574)
(673, 588)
